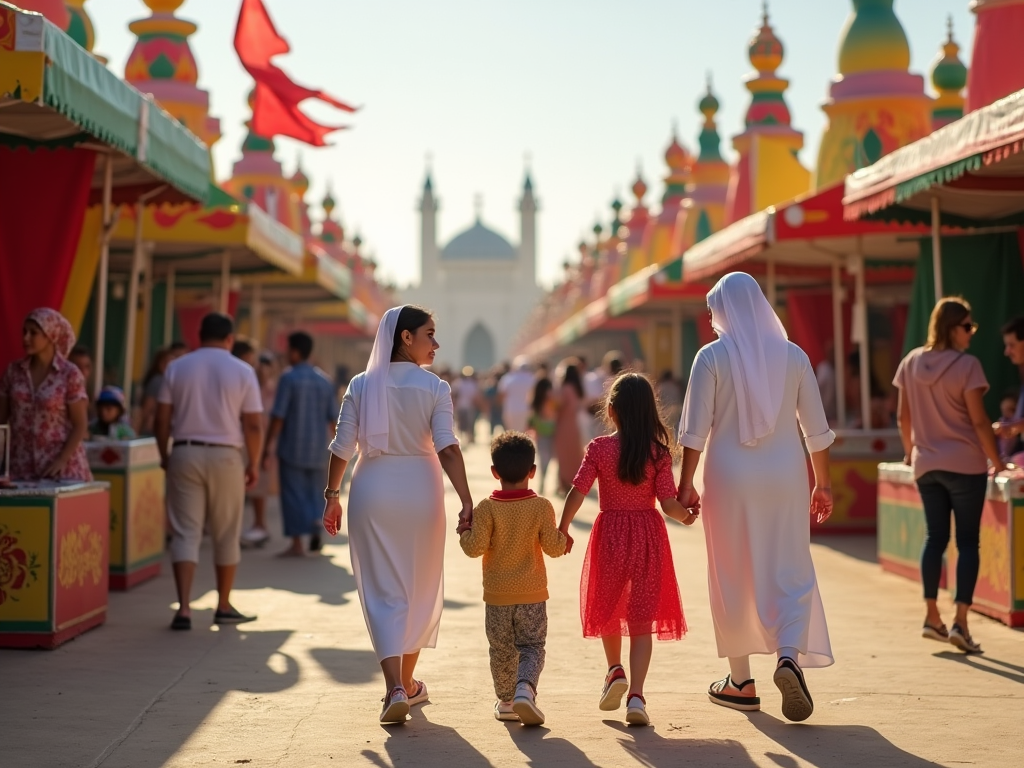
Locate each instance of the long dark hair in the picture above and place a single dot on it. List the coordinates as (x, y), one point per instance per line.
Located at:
(411, 318)
(541, 390)
(571, 376)
(642, 435)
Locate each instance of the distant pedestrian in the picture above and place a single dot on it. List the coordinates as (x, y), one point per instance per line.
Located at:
(543, 418)
(568, 443)
(466, 393)
(752, 396)
(304, 413)
(947, 436)
(515, 389)
(512, 530)
(210, 406)
(628, 587)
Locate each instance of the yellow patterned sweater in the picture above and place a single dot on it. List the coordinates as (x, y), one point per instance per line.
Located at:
(512, 530)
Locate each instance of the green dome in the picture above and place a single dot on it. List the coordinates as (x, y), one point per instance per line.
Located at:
(873, 39)
(709, 104)
(950, 76)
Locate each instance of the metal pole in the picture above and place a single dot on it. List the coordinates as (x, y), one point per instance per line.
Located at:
(256, 314)
(225, 281)
(133, 305)
(838, 343)
(169, 307)
(677, 343)
(147, 305)
(864, 347)
(773, 291)
(103, 275)
(937, 247)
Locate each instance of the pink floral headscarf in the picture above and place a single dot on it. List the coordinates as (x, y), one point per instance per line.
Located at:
(55, 327)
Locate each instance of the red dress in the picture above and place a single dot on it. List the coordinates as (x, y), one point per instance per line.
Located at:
(629, 581)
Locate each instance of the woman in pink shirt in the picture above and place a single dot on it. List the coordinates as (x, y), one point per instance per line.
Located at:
(947, 436)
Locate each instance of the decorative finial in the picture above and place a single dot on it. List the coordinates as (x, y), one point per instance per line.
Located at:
(764, 12)
(949, 28)
(478, 205)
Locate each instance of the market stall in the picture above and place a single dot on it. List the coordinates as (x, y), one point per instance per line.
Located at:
(72, 133)
(131, 469)
(830, 278)
(54, 541)
(901, 534)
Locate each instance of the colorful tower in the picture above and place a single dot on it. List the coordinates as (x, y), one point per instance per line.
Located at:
(80, 27)
(875, 105)
(949, 76)
(258, 177)
(162, 64)
(996, 68)
(767, 171)
(331, 231)
(662, 241)
(710, 188)
(300, 186)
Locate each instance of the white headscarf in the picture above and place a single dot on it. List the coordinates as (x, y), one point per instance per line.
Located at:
(373, 403)
(758, 350)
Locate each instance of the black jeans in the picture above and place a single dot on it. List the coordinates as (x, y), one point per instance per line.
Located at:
(964, 495)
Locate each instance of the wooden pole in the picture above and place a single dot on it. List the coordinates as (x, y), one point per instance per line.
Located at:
(169, 307)
(103, 274)
(937, 247)
(839, 343)
(133, 305)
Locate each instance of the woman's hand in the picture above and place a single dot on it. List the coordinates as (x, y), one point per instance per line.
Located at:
(690, 499)
(821, 503)
(332, 516)
(465, 517)
(56, 467)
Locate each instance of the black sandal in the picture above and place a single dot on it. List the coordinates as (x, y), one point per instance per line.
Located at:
(742, 703)
(181, 622)
(797, 704)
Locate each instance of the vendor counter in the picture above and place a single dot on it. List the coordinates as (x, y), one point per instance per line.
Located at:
(54, 544)
(901, 534)
(855, 457)
(137, 527)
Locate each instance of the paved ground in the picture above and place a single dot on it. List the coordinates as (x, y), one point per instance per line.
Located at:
(300, 686)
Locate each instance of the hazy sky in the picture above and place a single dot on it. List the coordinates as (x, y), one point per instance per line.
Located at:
(586, 88)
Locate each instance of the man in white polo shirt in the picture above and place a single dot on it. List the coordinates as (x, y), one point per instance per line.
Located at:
(209, 406)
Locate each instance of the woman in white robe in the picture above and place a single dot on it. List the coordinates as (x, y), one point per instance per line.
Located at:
(400, 418)
(748, 393)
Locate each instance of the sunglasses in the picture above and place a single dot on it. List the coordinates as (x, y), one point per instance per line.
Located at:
(970, 327)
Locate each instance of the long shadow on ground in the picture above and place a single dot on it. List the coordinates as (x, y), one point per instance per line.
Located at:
(407, 744)
(648, 747)
(825, 746)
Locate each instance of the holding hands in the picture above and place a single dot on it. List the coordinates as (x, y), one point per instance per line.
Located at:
(465, 518)
(821, 503)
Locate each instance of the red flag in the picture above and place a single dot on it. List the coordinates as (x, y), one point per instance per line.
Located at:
(276, 109)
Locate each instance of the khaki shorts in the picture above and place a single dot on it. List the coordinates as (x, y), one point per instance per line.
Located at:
(205, 488)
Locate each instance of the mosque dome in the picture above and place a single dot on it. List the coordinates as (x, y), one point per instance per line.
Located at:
(676, 156)
(479, 242)
(873, 39)
(709, 105)
(766, 51)
(300, 181)
(949, 73)
(639, 188)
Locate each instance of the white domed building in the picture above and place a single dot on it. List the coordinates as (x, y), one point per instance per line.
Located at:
(480, 285)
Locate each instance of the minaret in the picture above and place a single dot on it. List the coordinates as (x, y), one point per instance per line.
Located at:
(660, 241)
(710, 187)
(162, 64)
(875, 104)
(996, 69)
(767, 171)
(528, 234)
(428, 235)
(949, 76)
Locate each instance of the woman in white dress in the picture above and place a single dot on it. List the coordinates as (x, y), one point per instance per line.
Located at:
(400, 417)
(748, 392)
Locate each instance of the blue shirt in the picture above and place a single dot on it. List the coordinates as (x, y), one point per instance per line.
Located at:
(306, 404)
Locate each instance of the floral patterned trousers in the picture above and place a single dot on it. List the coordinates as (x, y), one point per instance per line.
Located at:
(516, 634)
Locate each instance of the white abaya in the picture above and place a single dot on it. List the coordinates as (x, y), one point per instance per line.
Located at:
(396, 521)
(755, 511)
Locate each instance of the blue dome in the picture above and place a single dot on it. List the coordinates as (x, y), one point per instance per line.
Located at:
(479, 242)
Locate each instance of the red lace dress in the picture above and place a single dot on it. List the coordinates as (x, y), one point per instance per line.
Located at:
(629, 581)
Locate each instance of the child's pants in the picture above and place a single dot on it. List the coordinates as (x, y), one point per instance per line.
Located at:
(516, 634)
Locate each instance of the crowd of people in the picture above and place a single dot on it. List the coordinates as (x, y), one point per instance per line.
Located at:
(751, 414)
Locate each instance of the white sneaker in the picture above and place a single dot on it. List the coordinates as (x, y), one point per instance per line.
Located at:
(396, 706)
(525, 705)
(636, 710)
(255, 537)
(615, 687)
(503, 711)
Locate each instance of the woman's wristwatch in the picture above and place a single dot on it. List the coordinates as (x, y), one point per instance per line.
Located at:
(332, 493)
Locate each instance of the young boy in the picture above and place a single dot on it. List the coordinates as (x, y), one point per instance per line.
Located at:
(511, 529)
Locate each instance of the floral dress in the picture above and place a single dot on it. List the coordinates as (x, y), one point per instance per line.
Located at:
(628, 586)
(40, 421)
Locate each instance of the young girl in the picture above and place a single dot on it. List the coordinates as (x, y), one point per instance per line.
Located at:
(629, 583)
(543, 412)
(110, 423)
